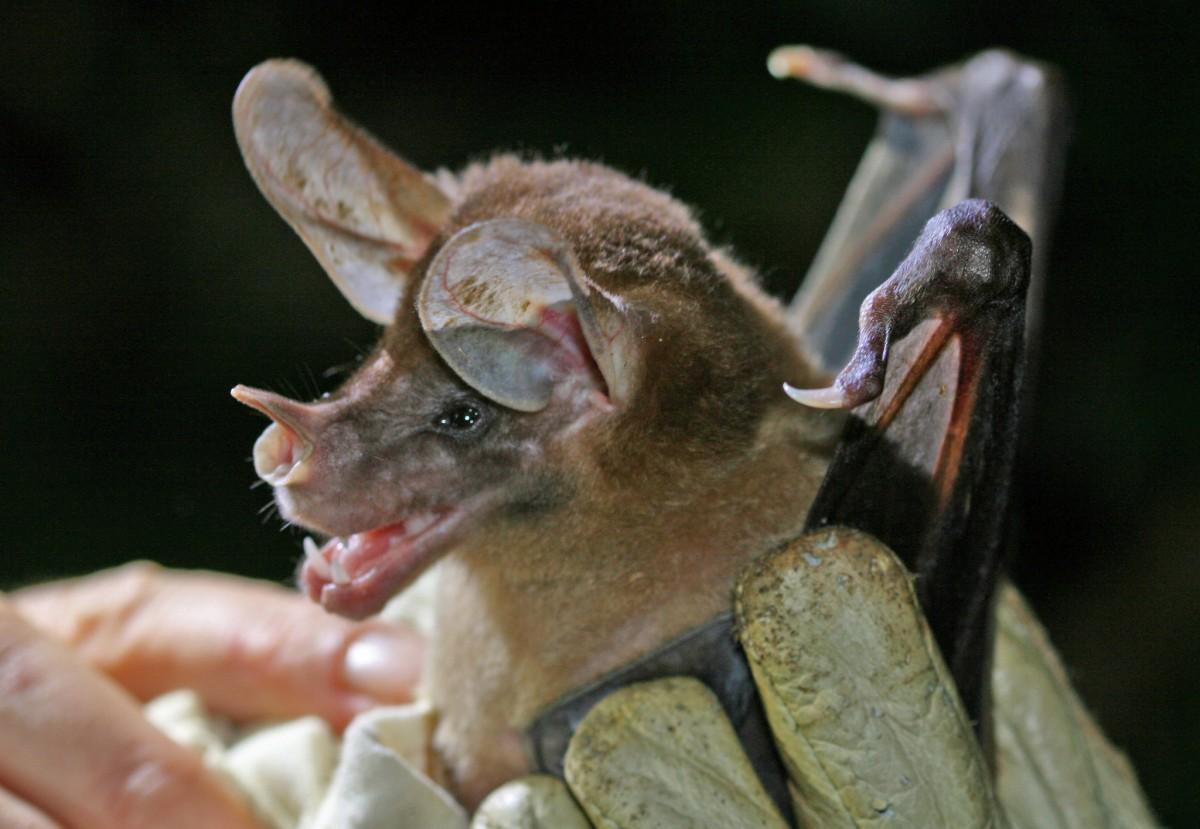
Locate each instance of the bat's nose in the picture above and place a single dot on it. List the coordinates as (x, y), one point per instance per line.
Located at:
(302, 418)
(279, 456)
(284, 446)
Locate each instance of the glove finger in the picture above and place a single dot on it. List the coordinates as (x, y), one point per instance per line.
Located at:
(862, 707)
(1053, 766)
(662, 754)
(538, 801)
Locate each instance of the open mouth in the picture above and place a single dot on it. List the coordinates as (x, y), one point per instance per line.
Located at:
(355, 575)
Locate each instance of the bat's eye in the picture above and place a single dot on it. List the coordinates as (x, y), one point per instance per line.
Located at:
(460, 418)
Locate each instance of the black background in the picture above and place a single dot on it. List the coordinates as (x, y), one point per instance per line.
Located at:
(142, 275)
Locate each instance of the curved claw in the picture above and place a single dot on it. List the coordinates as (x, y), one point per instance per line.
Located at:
(968, 258)
(831, 397)
(860, 382)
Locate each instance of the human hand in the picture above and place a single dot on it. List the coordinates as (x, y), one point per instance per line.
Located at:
(77, 656)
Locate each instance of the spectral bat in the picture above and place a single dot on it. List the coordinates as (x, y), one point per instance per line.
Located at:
(575, 407)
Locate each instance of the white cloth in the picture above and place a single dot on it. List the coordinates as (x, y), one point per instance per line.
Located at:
(298, 775)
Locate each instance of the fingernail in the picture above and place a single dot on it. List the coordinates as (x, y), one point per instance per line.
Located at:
(385, 664)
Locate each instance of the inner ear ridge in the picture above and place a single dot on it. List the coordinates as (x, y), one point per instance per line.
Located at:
(511, 277)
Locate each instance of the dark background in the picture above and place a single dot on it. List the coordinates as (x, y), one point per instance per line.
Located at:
(142, 275)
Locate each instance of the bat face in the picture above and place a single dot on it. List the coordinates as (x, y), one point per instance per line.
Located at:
(510, 379)
(398, 466)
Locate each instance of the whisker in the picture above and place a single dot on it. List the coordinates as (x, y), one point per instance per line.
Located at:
(289, 388)
(339, 369)
(358, 349)
(309, 381)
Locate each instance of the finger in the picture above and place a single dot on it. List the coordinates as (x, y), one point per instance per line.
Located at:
(252, 650)
(538, 801)
(78, 747)
(863, 710)
(17, 814)
(1054, 768)
(662, 753)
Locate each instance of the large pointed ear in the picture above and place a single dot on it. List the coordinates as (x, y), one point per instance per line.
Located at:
(507, 306)
(365, 213)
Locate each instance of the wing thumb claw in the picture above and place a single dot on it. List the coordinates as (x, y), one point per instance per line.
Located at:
(831, 397)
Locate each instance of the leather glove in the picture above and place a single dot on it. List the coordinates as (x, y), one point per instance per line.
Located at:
(863, 712)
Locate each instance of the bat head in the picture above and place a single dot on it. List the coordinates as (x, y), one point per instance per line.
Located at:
(523, 303)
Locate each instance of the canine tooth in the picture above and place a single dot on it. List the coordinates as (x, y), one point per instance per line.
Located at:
(340, 576)
(419, 523)
(312, 554)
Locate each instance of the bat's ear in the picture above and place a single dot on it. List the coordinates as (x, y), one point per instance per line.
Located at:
(365, 213)
(507, 306)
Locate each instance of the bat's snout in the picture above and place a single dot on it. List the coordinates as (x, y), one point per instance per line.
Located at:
(282, 449)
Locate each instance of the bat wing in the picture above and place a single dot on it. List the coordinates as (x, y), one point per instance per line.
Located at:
(991, 128)
(927, 465)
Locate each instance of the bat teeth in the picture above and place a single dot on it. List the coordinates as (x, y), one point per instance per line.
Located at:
(312, 555)
(419, 523)
(338, 571)
(827, 398)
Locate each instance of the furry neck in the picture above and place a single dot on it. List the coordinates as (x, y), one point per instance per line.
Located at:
(614, 572)
(540, 608)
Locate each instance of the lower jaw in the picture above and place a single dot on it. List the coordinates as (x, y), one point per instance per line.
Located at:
(355, 577)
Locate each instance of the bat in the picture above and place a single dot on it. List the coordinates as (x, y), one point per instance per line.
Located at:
(575, 408)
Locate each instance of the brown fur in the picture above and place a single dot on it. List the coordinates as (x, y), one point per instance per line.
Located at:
(595, 528)
(708, 465)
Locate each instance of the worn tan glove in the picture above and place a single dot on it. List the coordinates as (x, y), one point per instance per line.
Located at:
(863, 711)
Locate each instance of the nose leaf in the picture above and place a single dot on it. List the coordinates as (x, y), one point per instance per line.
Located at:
(279, 456)
(284, 446)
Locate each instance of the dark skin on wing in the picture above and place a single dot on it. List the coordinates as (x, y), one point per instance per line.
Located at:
(928, 467)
